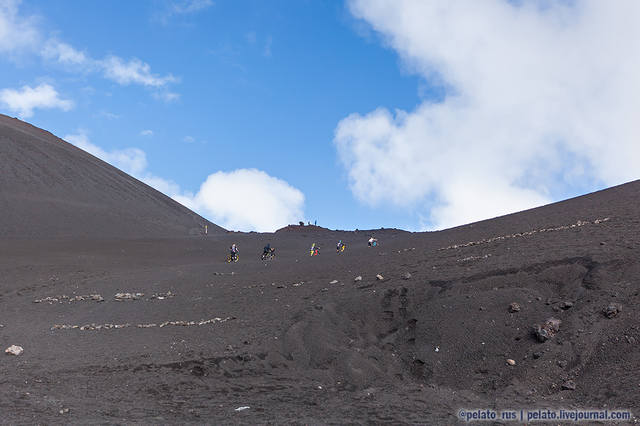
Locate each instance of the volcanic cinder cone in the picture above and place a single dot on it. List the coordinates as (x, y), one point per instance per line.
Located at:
(52, 189)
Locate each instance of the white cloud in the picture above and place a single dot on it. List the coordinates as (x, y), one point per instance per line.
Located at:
(64, 53)
(188, 139)
(26, 99)
(182, 8)
(190, 6)
(247, 199)
(130, 160)
(17, 34)
(244, 199)
(146, 132)
(108, 115)
(133, 71)
(541, 101)
(166, 96)
(20, 35)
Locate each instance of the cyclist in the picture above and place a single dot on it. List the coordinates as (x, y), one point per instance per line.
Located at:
(234, 251)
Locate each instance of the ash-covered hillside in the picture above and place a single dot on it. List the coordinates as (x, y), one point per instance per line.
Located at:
(51, 189)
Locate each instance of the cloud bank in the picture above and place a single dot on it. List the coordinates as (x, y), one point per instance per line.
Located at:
(541, 100)
(243, 199)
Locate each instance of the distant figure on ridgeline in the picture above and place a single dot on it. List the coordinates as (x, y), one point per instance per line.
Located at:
(372, 242)
(315, 250)
(268, 252)
(340, 247)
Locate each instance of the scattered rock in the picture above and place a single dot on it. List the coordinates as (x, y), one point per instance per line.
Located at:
(537, 355)
(406, 276)
(514, 307)
(566, 305)
(69, 299)
(547, 330)
(369, 392)
(562, 363)
(569, 385)
(379, 277)
(334, 282)
(109, 326)
(631, 339)
(358, 278)
(242, 408)
(298, 284)
(128, 296)
(612, 310)
(161, 296)
(511, 362)
(14, 350)
(64, 411)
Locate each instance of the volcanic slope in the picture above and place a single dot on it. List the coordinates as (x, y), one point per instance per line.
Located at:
(51, 189)
(163, 330)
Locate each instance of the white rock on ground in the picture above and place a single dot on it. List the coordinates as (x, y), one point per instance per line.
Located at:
(14, 350)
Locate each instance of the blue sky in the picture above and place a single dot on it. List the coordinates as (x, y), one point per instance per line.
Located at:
(357, 114)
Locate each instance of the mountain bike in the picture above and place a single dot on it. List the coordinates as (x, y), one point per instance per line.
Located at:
(268, 256)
